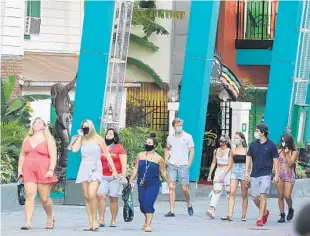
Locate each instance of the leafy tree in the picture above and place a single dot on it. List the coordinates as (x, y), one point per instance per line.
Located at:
(17, 108)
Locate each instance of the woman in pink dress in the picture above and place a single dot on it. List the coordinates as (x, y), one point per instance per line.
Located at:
(37, 161)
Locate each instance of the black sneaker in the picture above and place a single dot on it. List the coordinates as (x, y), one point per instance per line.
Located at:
(290, 214)
(170, 214)
(190, 210)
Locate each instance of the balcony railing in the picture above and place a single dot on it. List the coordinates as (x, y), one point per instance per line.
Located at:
(256, 23)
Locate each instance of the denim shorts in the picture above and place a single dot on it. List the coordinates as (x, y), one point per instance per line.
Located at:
(180, 173)
(238, 171)
(110, 186)
(260, 185)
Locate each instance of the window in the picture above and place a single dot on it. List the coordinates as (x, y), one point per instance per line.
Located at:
(33, 8)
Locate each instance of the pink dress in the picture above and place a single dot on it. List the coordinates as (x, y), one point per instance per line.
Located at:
(37, 163)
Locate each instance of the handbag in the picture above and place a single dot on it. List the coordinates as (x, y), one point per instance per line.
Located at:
(21, 192)
(128, 209)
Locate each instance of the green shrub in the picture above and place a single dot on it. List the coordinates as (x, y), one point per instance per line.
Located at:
(300, 172)
(12, 135)
(133, 140)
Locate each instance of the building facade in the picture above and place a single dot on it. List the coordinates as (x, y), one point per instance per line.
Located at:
(41, 43)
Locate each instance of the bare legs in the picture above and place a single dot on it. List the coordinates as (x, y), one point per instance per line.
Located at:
(172, 197)
(113, 208)
(261, 203)
(89, 192)
(31, 191)
(148, 221)
(280, 187)
(101, 207)
(44, 192)
(288, 188)
(231, 201)
(245, 198)
(187, 195)
(285, 192)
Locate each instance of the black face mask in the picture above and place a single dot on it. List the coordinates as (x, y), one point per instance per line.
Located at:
(222, 143)
(148, 147)
(85, 130)
(109, 141)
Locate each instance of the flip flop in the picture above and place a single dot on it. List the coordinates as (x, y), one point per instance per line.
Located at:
(113, 225)
(228, 218)
(26, 227)
(101, 225)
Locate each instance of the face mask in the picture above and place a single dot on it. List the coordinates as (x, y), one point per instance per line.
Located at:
(222, 143)
(109, 141)
(256, 135)
(85, 130)
(148, 147)
(237, 142)
(283, 144)
(178, 129)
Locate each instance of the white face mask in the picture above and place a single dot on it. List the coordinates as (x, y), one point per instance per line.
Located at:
(237, 142)
(256, 135)
(283, 144)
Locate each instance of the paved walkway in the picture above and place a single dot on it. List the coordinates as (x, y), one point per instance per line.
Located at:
(70, 221)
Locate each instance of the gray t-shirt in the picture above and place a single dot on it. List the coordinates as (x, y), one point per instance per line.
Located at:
(179, 148)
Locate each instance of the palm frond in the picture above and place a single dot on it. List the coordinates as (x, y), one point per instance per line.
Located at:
(147, 69)
(146, 19)
(149, 26)
(143, 42)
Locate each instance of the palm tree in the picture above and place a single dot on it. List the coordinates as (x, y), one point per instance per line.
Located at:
(145, 14)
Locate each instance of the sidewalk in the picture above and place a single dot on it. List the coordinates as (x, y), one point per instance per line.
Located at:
(70, 221)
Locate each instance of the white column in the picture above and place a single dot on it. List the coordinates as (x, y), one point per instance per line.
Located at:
(173, 107)
(240, 118)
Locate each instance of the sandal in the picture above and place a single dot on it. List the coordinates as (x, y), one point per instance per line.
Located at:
(228, 218)
(26, 227)
(88, 229)
(147, 229)
(243, 218)
(50, 224)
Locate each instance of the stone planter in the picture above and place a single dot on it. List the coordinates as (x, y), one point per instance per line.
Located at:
(301, 189)
(9, 200)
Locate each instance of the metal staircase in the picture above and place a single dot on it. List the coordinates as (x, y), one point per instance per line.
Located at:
(115, 87)
(301, 78)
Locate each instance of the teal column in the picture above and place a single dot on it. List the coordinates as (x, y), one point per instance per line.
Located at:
(282, 67)
(197, 73)
(92, 71)
(308, 118)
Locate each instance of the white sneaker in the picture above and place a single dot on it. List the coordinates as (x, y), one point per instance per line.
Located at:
(211, 214)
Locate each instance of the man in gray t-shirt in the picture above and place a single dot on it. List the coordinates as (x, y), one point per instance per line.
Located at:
(179, 156)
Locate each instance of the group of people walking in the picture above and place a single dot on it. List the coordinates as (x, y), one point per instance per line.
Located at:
(103, 170)
(256, 165)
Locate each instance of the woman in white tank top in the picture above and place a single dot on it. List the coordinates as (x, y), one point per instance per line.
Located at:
(221, 159)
